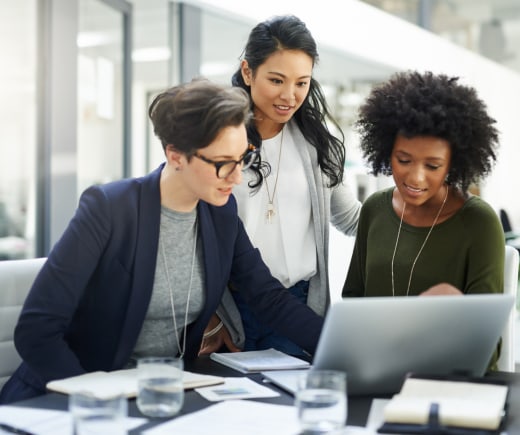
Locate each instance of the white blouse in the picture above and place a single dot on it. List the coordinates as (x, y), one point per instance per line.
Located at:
(287, 242)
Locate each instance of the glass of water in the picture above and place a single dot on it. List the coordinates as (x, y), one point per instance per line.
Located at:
(98, 415)
(321, 401)
(160, 388)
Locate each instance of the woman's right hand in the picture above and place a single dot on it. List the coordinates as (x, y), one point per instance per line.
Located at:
(442, 289)
(213, 341)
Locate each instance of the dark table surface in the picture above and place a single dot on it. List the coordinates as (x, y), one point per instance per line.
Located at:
(358, 406)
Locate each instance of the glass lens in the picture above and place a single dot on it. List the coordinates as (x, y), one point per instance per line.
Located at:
(226, 169)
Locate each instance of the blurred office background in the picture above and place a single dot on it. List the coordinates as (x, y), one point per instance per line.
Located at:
(77, 77)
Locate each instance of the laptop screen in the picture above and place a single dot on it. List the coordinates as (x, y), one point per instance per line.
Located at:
(378, 341)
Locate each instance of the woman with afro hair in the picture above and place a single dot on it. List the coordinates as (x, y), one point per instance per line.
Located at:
(427, 235)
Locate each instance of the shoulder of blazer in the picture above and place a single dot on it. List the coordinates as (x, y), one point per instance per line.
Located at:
(140, 193)
(126, 203)
(148, 183)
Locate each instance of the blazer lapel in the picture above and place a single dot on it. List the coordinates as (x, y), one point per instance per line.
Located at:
(149, 217)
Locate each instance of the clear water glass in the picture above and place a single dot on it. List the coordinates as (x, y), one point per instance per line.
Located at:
(98, 415)
(321, 401)
(160, 388)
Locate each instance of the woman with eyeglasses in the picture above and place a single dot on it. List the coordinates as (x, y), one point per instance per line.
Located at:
(144, 262)
(287, 211)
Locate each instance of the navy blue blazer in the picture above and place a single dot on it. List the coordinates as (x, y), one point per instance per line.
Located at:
(86, 307)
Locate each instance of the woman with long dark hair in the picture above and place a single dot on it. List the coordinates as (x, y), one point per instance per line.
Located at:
(288, 203)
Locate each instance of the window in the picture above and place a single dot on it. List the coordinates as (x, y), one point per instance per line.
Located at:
(17, 128)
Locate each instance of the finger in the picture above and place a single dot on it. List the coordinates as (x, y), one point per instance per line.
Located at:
(230, 345)
(210, 345)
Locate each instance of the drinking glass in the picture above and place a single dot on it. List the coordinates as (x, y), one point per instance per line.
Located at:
(321, 401)
(160, 388)
(98, 415)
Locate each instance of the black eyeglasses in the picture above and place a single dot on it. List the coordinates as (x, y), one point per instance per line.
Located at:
(224, 168)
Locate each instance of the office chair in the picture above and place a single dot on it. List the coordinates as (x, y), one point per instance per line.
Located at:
(506, 362)
(16, 278)
(512, 238)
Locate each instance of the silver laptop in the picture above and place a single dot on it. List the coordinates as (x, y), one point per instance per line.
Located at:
(378, 341)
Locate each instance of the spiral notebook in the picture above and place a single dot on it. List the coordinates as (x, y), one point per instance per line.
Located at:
(255, 361)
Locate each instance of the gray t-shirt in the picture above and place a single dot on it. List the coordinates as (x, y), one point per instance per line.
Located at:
(179, 249)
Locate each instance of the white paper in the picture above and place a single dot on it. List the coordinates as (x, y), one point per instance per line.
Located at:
(358, 430)
(376, 414)
(234, 417)
(236, 388)
(48, 422)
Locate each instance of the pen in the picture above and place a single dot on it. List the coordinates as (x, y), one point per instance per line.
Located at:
(11, 429)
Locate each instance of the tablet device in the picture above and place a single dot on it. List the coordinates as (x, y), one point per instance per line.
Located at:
(287, 380)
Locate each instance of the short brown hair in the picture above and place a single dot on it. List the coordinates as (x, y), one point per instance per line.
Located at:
(191, 115)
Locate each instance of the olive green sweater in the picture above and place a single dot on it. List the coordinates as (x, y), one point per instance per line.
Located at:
(467, 251)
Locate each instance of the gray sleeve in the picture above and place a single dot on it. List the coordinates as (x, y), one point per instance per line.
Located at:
(228, 312)
(344, 209)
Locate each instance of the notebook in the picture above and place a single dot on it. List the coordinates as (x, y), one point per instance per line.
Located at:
(253, 361)
(378, 341)
(125, 381)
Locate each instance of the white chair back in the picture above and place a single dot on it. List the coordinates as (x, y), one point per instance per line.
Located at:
(16, 278)
(506, 362)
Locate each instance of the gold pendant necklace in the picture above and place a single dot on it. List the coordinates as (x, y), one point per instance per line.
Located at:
(420, 250)
(270, 199)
